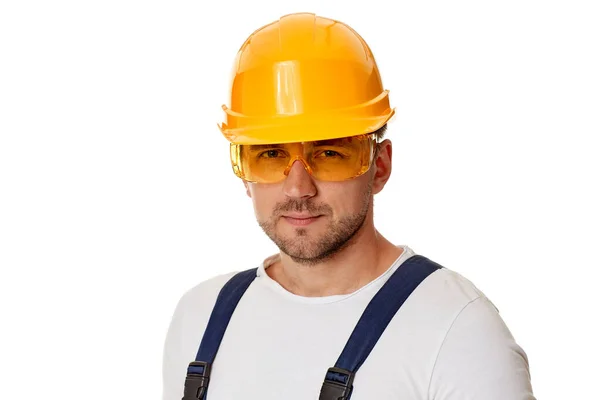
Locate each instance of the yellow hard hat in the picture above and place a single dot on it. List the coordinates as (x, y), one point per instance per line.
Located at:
(304, 78)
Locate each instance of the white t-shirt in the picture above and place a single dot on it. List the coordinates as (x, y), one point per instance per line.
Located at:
(447, 342)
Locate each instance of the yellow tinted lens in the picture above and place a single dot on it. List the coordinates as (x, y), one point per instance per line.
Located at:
(329, 160)
(340, 159)
(264, 163)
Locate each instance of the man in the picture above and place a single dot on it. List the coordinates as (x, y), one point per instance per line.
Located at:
(306, 123)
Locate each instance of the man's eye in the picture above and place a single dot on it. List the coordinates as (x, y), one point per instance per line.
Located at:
(271, 154)
(328, 154)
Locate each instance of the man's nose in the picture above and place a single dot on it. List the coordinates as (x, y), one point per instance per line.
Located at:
(299, 183)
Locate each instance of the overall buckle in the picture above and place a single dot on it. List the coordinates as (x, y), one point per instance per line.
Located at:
(196, 381)
(337, 384)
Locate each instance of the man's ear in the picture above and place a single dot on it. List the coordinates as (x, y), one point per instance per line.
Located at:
(247, 189)
(383, 164)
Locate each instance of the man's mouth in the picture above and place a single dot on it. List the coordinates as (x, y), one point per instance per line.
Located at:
(299, 219)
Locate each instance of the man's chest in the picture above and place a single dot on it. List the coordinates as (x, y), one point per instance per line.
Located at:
(273, 358)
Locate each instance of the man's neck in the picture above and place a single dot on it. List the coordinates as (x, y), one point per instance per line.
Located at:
(364, 259)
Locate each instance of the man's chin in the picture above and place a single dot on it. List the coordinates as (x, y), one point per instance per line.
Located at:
(298, 245)
(304, 256)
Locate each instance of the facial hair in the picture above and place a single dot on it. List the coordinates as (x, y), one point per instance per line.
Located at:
(310, 251)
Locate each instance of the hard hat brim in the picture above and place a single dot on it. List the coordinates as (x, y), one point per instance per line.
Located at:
(307, 129)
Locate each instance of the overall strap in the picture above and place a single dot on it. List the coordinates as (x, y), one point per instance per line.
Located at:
(374, 320)
(198, 372)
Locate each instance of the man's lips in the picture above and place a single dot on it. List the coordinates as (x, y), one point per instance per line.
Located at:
(300, 219)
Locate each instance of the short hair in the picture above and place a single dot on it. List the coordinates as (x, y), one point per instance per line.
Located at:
(380, 133)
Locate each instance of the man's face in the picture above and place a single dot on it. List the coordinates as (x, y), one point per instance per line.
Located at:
(311, 220)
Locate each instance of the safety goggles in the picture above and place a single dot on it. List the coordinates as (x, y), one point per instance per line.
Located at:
(325, 160)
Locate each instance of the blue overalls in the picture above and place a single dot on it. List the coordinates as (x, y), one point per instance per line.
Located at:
(338, 380)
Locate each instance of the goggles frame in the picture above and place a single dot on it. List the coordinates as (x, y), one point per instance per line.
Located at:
(237, 159)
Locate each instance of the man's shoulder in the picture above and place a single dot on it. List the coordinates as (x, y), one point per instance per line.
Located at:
(433, 308)
(195, 305)
(450, 290)
(454, 283)
(206, 291)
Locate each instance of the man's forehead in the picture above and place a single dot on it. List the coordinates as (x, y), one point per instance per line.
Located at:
(314, 143)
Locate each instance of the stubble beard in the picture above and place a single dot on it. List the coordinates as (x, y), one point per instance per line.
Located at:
(310, 251)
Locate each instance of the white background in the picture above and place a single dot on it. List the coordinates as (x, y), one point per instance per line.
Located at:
(117, 194)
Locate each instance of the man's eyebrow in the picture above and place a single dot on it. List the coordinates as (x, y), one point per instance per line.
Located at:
(329, 142)
(266, 146)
